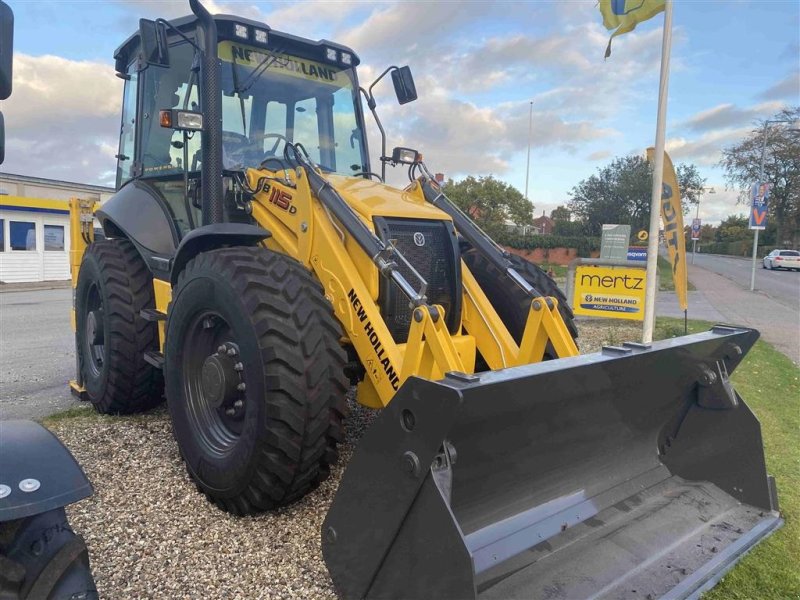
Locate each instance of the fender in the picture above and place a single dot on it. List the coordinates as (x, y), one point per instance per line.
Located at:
(210, 237)
(31, 454)
(139, 213)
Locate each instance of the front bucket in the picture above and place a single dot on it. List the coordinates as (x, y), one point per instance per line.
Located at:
(637, 472)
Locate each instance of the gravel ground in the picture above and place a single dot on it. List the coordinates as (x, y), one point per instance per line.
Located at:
(152, 535)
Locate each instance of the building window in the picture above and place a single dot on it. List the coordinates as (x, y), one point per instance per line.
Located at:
(53, 238)
(22, 235)
(2, 235)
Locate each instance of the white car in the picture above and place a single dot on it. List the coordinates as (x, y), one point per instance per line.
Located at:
(782, 259)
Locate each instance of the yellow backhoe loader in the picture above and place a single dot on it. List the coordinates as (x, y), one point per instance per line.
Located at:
(254, 267)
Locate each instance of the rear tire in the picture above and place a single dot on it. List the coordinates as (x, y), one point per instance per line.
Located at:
(510, 301)
(254, 378)
(114, 285)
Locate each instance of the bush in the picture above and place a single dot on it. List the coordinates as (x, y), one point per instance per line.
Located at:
(584, 245)
(737, 248)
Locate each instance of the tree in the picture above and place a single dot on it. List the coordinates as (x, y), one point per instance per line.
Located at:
(490, 202)
(620, 193)
(742, 165)
(732, 229)
(561, 213)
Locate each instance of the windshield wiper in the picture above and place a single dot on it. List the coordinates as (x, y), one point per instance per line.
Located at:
(270, 59)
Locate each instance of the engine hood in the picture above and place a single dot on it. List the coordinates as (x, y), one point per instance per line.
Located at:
(372, 199)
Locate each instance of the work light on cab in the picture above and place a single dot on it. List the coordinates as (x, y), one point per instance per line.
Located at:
(240, 31)
(181, 120)
(405, 156)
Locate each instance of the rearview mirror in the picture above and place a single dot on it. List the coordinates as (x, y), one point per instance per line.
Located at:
(155, 48)
(404, 86)
(6, 49)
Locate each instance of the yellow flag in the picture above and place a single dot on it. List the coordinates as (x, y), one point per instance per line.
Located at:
(672, 215)
(625, 15)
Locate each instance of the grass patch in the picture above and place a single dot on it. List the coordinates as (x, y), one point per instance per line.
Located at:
(76, 412)
(558, 270)
(665, 282)
(770, 384)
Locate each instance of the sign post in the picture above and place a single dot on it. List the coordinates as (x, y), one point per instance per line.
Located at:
(759, 194)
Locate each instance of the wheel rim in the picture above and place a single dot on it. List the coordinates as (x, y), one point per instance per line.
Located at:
(94, 332)
(214, 383)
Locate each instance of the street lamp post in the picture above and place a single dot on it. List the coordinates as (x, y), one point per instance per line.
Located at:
(528, 164)
(764, 135)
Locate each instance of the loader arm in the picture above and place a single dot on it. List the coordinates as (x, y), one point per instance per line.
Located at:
(319, 229)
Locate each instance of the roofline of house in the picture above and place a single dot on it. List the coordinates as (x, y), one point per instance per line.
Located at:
(12, 177)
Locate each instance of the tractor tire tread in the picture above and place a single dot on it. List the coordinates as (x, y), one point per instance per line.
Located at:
(305, 385)
(133, 385)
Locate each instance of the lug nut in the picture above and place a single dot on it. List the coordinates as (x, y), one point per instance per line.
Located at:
(230, 411)
(241, 387)
(238, 367)
(221, 349)
(238, 404)
(231, 351)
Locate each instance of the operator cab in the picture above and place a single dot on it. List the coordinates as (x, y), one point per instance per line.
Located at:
(275, 89)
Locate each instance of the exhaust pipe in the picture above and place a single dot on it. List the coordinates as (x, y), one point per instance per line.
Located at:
(211, 171)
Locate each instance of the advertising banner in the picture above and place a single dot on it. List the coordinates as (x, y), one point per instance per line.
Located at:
(696, 226)
(759, 195)
(611, 292)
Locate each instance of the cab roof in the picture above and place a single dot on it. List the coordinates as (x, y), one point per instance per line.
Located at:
(225, 23)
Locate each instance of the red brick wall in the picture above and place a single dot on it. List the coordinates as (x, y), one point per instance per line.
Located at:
(553, 256)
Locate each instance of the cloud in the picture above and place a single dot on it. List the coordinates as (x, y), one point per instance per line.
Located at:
(599, 155)
(705, 150)
(729, 115)
(62, 120)
(787, 88)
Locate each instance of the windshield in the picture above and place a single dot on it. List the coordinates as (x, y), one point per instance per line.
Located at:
(270, 98)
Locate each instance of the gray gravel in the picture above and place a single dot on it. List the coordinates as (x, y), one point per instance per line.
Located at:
(152, 535)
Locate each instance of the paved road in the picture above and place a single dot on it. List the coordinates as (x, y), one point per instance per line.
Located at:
(775, 313)
(36, 353)
(781, 286)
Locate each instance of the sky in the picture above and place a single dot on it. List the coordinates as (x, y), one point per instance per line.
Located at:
(477, 65)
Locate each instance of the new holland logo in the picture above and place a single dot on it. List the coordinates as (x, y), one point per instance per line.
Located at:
(419, 239)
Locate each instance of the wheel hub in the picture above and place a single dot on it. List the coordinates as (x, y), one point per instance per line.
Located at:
(94, 327)
(220, 379)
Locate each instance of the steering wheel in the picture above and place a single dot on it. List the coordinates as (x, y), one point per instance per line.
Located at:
(278, 138)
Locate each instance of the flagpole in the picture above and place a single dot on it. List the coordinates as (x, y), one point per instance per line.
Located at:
(658, 179)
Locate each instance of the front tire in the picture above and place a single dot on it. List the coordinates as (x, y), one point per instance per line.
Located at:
(254, 378)
(114, 285)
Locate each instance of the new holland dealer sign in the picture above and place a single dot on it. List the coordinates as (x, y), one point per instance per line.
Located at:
(615, 292)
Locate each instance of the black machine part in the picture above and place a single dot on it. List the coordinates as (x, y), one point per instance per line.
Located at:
(622, 474)
(467, 228)
(38, 473)
(41, 557)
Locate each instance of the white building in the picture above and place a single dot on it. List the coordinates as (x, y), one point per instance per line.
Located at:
(34, 226)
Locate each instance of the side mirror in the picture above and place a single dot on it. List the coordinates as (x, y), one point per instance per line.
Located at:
(404, 86)
(155, 48)
(6, 49)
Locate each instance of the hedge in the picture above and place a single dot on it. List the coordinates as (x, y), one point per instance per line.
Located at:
(584, 245)
(738, 248)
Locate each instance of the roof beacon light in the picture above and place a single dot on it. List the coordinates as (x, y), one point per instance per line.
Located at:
(240, 31)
